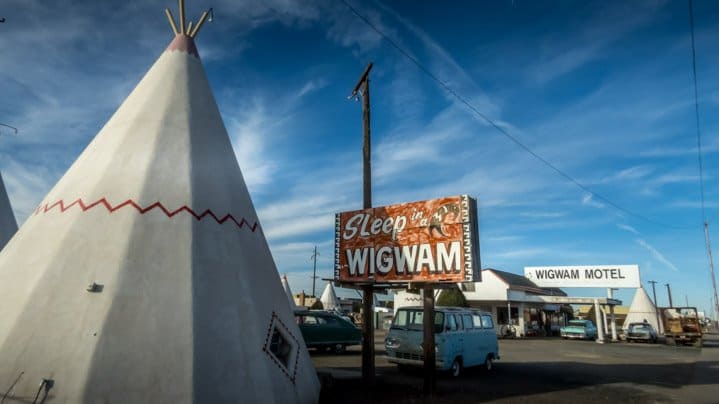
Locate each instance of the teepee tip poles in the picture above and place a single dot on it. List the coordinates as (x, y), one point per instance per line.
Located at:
(185, 28)
(168, 13)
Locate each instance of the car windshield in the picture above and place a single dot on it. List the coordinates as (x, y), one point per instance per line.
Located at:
(414, 320)
(577, 324)
(639, 327)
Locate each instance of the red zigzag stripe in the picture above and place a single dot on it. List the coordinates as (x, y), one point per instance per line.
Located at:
(79, 202)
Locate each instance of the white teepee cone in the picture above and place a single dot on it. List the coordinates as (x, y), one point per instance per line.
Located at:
(642, 309)
(184, 302)
(329, 298)
(288, 291)
(8, 224)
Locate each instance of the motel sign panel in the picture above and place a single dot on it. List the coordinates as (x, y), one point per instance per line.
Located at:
(427, 241)
(590, 276)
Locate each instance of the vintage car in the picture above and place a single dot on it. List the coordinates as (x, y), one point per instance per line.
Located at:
(641, 332)
(325, 330)
(581, 329)
(463, 337)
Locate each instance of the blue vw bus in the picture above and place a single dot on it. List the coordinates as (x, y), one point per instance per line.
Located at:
(464, 337)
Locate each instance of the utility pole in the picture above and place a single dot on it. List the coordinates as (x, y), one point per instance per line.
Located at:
(656, 306)
(368, 368)
(711, 265)
(315, 254)
(669, 292)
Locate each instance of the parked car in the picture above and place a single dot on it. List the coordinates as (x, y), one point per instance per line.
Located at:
(582, 329)
(463, 338)
(641, 332)
(325, 330)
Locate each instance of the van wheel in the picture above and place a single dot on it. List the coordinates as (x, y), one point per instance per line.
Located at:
(456, 369)
(339, 348)
(489, 363)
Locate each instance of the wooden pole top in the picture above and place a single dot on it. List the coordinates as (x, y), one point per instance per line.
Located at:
(186, 28)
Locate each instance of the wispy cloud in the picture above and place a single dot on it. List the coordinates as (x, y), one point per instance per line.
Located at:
(594, 35)
(627, 228)
(543, 215)
(588, 200)
(657, 255)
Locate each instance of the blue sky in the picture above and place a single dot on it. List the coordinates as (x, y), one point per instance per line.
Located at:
(603, 90)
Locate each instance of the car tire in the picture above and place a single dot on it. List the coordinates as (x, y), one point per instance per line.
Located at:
(489, 363)
(456, 369)
(339, 348)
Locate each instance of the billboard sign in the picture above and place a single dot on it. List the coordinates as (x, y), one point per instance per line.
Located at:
(427, 241)
(589, 276)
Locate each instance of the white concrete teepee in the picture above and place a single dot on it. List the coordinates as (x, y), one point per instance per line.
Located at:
(144, 276)
(329, 298)
(642, 308)
(286, 287)
(8, 224)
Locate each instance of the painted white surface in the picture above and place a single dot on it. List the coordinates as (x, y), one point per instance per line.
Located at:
(585, 276)
(491, 288)
(187, 304)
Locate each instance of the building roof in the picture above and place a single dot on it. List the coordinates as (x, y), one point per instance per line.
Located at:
(519, 282)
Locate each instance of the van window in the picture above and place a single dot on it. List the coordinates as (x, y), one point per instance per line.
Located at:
(413, 320)
(477, 320)
(467, 320)
(487, 321)
(451, 323)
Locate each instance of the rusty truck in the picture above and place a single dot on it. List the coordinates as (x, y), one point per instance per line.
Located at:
(681, 325)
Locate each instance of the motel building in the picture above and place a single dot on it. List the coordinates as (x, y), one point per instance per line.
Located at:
(531, 309)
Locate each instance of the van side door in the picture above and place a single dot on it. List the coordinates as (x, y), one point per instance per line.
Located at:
(453, 337)
(471, 341)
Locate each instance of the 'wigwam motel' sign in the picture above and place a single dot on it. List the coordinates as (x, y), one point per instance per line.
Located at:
(427, 241)
(592, 276)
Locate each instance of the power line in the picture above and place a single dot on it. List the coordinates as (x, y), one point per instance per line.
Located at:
(501, 130)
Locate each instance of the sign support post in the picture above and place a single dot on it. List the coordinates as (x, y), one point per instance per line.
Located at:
(368, 369)
(430, 365)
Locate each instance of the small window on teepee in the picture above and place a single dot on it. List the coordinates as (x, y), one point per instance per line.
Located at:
(282, 347)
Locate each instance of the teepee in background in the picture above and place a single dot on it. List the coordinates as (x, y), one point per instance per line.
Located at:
(8, 224)
(642, 309)
(329, 298)
(144, 275)
(288, 291)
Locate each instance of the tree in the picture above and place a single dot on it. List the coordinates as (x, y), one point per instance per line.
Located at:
(452, 297)
(317, 305)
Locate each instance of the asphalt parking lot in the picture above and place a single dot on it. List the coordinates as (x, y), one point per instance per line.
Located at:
(541, 370)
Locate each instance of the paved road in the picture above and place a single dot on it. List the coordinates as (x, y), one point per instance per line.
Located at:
(543, 371)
